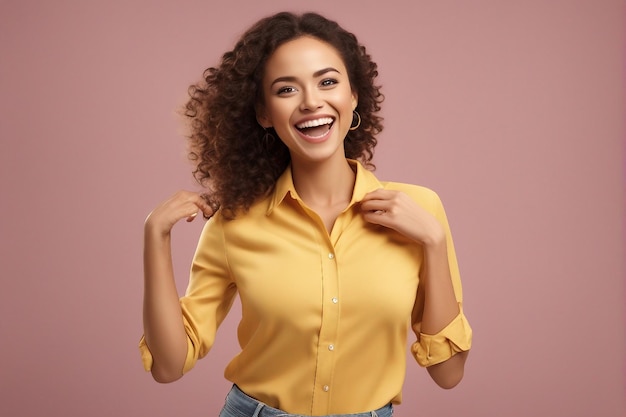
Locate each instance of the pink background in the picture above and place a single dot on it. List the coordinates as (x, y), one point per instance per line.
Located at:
(512, 111)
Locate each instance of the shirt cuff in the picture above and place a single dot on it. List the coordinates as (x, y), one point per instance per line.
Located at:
(454, 338)
(147, 360)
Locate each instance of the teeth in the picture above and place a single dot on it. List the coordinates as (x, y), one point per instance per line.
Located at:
(315, 123)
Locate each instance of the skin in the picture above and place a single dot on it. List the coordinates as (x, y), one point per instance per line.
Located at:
(305, 79)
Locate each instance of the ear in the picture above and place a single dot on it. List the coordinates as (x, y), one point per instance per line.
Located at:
(355, 99)
(262, 118)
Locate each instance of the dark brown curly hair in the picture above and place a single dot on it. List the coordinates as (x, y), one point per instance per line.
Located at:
(226, 143)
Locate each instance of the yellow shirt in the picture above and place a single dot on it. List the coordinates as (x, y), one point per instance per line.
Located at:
(324, 317)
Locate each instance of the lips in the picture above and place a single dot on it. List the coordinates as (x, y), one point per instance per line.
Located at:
(315, 128)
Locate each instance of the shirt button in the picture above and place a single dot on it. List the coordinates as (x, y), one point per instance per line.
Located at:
(335, 300)
(331, 347)
(326, 388)
(331, 255)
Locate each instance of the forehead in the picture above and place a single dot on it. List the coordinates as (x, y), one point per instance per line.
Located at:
(303, 56)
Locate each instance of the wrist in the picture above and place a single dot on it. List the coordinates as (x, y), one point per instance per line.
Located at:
(435, 239)
(153, 231)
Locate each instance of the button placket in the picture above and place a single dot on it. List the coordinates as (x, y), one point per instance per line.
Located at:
(328, 331)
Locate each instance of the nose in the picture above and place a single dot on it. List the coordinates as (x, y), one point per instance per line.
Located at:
(311, 100)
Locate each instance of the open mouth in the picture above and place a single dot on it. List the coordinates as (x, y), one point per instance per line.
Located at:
(316, 128)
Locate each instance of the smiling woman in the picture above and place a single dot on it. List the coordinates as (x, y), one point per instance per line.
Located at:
(330, 263)
(309, 108)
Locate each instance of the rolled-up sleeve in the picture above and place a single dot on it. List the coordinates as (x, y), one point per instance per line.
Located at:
(457, 335)
(454, 338)
(208, 298)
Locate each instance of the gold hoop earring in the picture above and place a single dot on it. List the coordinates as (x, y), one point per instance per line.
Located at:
(357, 116)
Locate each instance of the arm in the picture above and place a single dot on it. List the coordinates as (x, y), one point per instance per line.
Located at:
(440, 308)
(437, 300)
(162, 317)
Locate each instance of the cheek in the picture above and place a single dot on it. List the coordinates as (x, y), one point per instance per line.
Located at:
(348, 99)
(281, 111)
(346, 107)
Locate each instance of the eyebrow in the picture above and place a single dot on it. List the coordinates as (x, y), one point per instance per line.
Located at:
(315, 75)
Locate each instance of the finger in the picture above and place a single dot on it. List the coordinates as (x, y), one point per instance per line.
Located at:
(377, 213)
(375, 205)
(376, 217)
(379, 194)
(191, 217)
(208, 205)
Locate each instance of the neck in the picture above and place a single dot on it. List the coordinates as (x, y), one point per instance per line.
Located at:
(325, 184)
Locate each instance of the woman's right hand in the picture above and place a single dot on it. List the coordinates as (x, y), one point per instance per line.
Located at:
(182, 205)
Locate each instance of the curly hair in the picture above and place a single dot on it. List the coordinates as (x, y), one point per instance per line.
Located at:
(229, 149)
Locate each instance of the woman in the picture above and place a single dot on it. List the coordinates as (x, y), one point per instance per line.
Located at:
(330, 264)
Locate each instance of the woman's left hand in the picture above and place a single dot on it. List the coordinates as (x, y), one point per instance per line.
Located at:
(397, 211)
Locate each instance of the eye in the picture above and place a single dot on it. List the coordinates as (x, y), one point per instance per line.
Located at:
(285, 90)
(328, 82)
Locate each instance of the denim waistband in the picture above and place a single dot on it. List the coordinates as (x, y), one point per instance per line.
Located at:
(238, 404)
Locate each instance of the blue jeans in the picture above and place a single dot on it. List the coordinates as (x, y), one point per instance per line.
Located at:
(238, 404)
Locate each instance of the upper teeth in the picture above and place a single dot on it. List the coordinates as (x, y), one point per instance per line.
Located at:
(315, 123)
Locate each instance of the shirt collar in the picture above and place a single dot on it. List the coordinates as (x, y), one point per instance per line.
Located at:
(365, 182)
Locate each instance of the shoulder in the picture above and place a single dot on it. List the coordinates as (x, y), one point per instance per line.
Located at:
(251, 217)
(422, 195)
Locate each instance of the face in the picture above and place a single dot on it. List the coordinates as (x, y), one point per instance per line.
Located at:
(308, 99)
